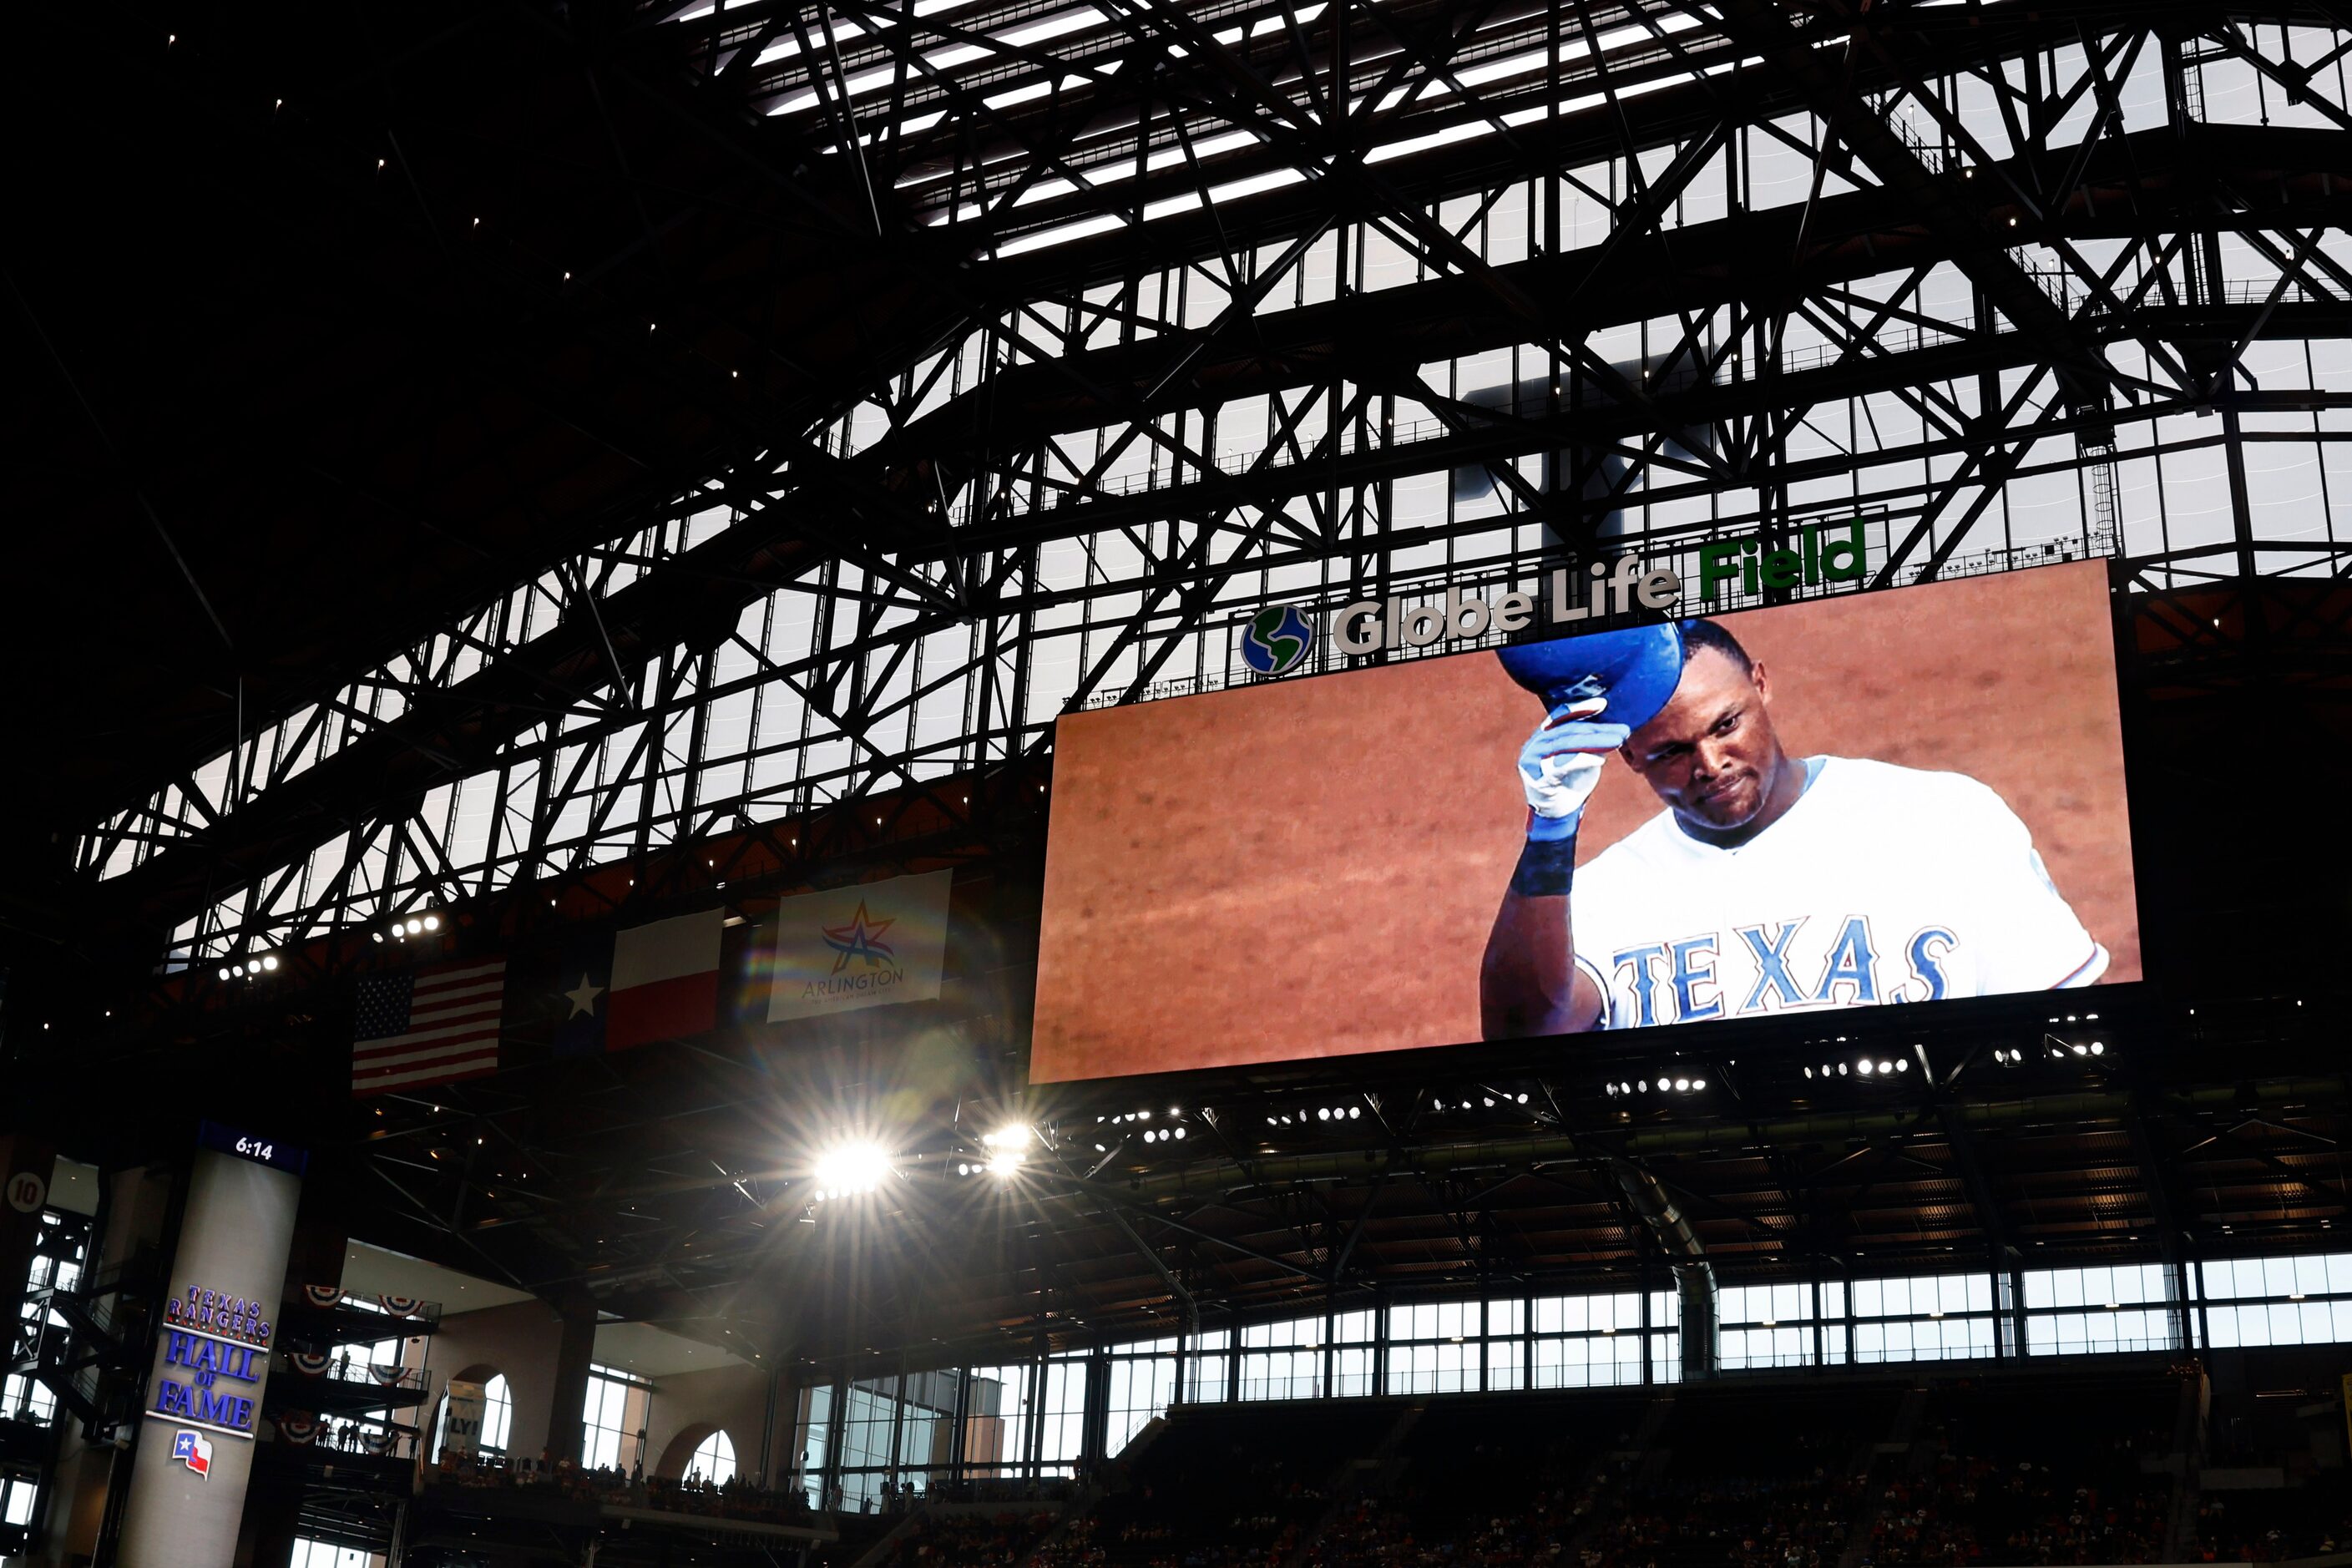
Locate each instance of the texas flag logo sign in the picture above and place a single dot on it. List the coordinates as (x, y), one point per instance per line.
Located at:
(190, 1449)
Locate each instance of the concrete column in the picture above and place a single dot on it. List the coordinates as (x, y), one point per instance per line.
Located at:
(574, 1352)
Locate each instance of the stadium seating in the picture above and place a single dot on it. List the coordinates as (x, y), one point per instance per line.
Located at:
(1964, 1465)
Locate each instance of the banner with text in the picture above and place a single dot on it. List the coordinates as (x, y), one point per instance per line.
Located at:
(862, 946)
(461, 1429)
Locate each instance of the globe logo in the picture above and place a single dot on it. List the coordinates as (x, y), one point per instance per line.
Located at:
(1278, 640)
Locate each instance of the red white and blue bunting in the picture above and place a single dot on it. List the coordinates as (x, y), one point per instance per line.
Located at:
(323, 1296)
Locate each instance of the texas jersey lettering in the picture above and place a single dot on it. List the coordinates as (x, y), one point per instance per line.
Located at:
(1880, 884)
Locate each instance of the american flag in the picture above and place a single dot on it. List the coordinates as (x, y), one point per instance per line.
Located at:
(428, 1027)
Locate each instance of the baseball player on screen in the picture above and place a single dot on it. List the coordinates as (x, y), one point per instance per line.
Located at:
(1770, 883)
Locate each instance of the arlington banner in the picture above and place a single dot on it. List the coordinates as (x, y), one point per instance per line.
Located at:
(865, 946)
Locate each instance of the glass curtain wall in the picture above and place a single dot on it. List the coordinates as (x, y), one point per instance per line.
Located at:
(997, 1401)
(613, 1420)
(1140, 1385)
(1046, 1417)
(1283, 1360)
(1588, 1341)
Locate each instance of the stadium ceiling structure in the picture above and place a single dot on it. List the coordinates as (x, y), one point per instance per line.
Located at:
(654, 426)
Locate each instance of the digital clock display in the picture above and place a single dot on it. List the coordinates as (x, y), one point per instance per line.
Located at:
(274, 1153)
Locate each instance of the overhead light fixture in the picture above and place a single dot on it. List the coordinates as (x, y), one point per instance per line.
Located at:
(851, 1168)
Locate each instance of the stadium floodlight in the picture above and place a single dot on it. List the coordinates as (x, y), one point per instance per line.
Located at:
(224, 973)
(847, 1169)
(269, 961)
(1863, 1066)
(432, 922)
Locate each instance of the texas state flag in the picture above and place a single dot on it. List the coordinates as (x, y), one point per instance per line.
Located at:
(190, 1449)
(584, 993)
(664, 981)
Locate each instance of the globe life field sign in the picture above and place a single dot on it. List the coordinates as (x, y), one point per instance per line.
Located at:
(1281, 638)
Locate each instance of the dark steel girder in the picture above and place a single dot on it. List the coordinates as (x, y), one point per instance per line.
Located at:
(2138, 187)
(2159, 183)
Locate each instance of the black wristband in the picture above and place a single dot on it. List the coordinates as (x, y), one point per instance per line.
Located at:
(1546, 867)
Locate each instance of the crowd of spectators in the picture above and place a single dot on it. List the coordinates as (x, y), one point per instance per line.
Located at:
(1977, 1510)
(1792, 1507)
(733, 1498)
(2274, 1526)
(1994, 1478)
(2035, 1474)
(970, 1539)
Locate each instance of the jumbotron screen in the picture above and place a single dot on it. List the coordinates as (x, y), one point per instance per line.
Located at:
(1854, 801)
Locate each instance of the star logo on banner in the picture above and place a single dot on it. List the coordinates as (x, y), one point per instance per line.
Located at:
(582, 998)
(861, 938)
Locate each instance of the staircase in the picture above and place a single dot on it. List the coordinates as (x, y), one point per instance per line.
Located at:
(1371, 1476)
(2189, 1455)
(1902, 1437)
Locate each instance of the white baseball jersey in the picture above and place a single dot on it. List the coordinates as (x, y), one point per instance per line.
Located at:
(1881, 884)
